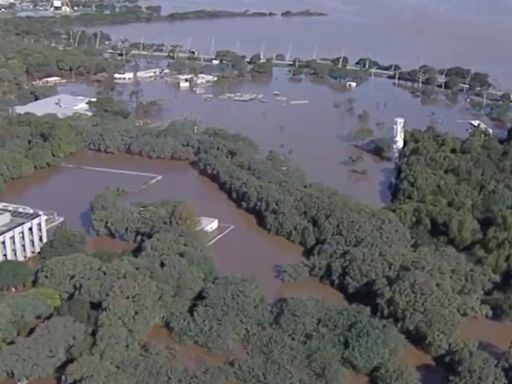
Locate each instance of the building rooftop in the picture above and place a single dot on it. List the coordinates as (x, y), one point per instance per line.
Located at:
(61, 105)
(10, 220)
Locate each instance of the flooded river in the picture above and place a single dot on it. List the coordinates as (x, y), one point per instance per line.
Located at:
(407, 32)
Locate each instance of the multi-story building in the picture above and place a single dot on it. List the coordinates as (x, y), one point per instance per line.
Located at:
(23, 231)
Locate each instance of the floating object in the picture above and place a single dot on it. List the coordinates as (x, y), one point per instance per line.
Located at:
(299, 102)
(276, 93)
(281, 98)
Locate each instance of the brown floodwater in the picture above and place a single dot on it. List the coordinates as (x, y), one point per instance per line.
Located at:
(190, 356)
(246, 251)
(424, 365)
(492, 336)
(407, 32)
(316, 135)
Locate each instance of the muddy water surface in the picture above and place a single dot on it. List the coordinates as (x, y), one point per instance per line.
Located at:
(407, 32)
(493, 336)
(246, 251)
(317, 135)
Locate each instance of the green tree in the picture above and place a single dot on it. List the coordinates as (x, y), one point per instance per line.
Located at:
(15, 274)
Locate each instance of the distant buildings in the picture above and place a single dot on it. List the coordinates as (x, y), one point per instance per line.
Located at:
(48, 81)
(61, 6)
(61, 105)
(23, 231)
(147, 74)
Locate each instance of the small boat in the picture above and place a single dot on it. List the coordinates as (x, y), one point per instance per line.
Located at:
(299, 102)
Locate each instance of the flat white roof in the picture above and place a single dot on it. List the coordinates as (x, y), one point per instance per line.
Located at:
(61, 105)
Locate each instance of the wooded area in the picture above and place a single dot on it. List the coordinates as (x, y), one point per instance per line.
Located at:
(413, 272)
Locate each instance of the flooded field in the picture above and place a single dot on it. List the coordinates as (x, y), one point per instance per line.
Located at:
(246, 251)
(317, 135)
(407, 32)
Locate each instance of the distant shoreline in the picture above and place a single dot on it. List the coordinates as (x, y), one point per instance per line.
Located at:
(147, 15)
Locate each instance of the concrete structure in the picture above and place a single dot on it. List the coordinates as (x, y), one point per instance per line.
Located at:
(61, 105)
(184, 84)
(49, 81)
(61, 6)
(477, 124)
(398, 136)
(205, 79)
(125, 76)
(23, 231)
(207, 224)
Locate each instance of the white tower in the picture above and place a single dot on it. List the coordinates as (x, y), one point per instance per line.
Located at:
(398, 136)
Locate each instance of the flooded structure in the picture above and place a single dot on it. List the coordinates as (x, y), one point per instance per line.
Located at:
(61, 6)
(207, 224)
(62, 105)
(22, 232)
(398, 136)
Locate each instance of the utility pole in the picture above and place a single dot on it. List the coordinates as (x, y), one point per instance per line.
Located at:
(485, 98)
(212, 47)
(396, 77)
(188, 44)
(77, 38)
(315, 52)
(289, 53)
(98, 37)
(444, 79)
(341, 58)
(262, 54)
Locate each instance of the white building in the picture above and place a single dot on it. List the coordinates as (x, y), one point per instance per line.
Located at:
(207, 224)
(61, 105)
(125, 76)
(49, 81)
(398, 135)
(62, 6)
(21, 234)
(205, 79)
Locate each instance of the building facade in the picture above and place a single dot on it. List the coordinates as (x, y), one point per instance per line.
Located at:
(22, 233)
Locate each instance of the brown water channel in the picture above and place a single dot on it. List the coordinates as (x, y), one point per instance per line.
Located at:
(246, 251)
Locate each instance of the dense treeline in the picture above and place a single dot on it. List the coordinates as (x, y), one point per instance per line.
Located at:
(458, 192)
(88, 321)
(364, 252)
(31, 49)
